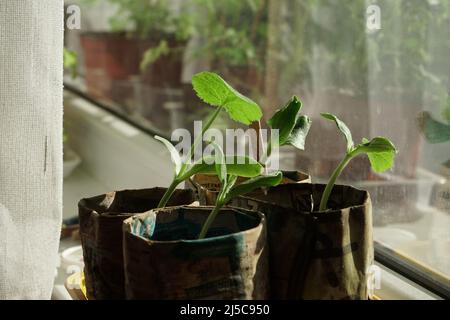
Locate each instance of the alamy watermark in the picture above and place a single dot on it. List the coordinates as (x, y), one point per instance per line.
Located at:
(73, 17)
(239, 145)
(373, 279)
(373, 18)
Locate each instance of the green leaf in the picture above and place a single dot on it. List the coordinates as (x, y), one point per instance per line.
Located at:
(298, 135)
(285, 119)
(255, 183)
(225, 190)
(434, 131)
(342, 127)
(381, 153)
(236, 165)
(174, 155)
(381, 161)
(212, 89)
(446, 114)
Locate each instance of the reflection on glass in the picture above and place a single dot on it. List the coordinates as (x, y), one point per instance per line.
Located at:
(137, 56)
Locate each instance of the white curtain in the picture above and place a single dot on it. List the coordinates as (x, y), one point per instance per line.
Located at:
(31, 42)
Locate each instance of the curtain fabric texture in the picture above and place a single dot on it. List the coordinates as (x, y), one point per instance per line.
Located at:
(31, 43)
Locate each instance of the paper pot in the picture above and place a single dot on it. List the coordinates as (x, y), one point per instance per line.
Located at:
(316, 255)
(101, 219)
(165, 260)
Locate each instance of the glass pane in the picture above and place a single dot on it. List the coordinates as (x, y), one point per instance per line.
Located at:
(381, 66)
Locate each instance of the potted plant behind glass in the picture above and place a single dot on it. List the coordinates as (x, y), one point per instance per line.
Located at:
(101, 217)
(366, 74)
(322, 235)
(233, 40)
(147, 32)
(437, 132)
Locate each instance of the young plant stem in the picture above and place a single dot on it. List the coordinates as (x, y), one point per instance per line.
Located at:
(337, 172)
(210, 220)
(169, 192)
(198, 139)
(267, 153)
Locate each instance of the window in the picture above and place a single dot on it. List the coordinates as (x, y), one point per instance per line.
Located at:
(381, 66)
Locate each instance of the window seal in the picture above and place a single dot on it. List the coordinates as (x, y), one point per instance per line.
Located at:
(420, 274)
(118, 114)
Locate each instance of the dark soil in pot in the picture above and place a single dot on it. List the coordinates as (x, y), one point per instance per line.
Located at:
(316, 255)
(101, 219)
(164, 259)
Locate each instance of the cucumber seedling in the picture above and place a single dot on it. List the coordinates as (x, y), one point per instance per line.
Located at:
(229, 190)
(380, 151)
(292, 130)
(215, 91)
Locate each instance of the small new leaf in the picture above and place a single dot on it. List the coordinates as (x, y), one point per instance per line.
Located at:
(381, 153)
(285, 119)
(298, 135)
(270, 180)
(236, 165)
(174, 155)
(214, 90)
(342, 127)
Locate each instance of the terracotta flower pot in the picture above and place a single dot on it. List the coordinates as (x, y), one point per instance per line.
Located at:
(112, 60)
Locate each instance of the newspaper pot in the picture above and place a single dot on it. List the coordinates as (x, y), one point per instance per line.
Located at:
(165, 260)
(101, 219)
(207, 186)
(317, 255)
